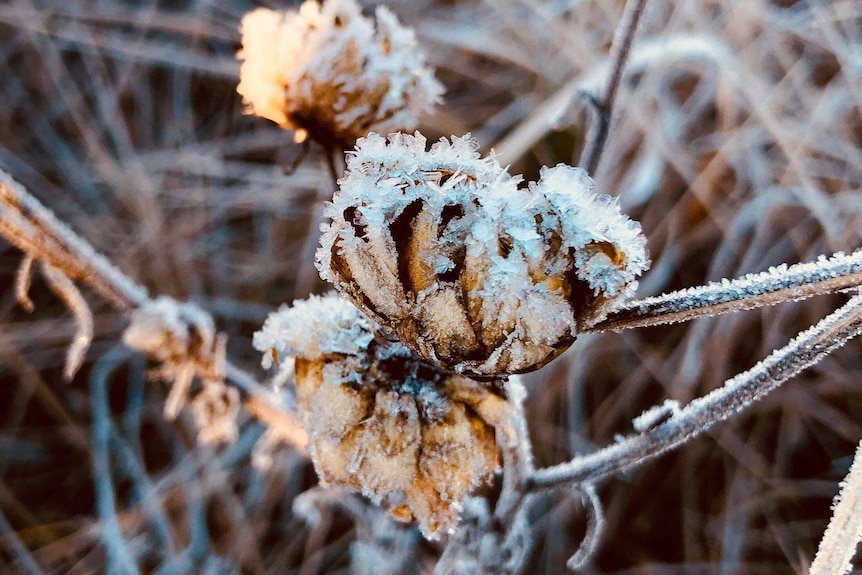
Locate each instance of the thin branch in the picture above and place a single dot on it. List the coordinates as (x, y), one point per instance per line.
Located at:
(22, 283)
(33, 228)
(65, 289)
(702, 414)
(777, 285)
(838, 546)
(595, 527)
(620, 48)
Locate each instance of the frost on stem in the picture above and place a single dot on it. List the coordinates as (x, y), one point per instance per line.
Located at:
(182, 338)
(326, 72)
(466, 266)
(380, 421)
(838, 546)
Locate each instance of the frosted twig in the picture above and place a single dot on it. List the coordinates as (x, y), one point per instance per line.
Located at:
(737, 394)
(838, 546)
(620, 48)
(33, 228)
(595, 527)
(65, 289)
(514, 442)
(22, 283)
(777, 285)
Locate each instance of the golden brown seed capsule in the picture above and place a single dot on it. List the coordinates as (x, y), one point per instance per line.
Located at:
(380, 420)
(467, 267)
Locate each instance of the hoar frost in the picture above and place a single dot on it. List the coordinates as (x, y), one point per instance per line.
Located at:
(381, 421)
(326, 72)
(466, 266)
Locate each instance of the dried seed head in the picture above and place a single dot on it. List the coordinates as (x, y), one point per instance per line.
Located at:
(215, 410)
(379, 420)
(327, 73)
(468, 268)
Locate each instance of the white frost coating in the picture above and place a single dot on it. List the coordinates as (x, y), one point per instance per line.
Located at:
(380, 421)
(778, 284)
(312, 328)
(467, 266)
(703, 413)
(326, 71)
(838, 546)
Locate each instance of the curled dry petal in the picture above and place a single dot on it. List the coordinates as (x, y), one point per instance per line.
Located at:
(467, 267)
(380, 420)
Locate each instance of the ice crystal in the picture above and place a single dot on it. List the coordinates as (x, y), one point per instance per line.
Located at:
(468, 267)
(380, 420)
(327, 72)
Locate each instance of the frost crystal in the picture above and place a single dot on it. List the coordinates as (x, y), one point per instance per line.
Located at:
(326, 72)
(466, 266)
(379, 420)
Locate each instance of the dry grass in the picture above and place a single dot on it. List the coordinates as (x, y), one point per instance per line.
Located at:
(739, 146)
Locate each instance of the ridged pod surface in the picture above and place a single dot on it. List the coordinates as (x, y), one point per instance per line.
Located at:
(466, 266)
(380, 421)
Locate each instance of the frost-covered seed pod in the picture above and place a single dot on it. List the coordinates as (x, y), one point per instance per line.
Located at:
(326, 72)
(380, 420)
(467, 267)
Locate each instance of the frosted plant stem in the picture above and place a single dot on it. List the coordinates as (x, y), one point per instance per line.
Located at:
(22, 283)
(620, 48)
(514, 440)
(35, 230)
(838, 546)
(308, 274)
(703, 413)
(777, 285)
(65, 289)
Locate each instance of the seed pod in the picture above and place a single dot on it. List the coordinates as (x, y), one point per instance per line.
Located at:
(380, 420)
(325, 71)
(466, 267)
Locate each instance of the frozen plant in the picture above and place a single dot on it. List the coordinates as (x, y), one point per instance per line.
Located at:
(327, 72)
(380, 420)
(469, 268)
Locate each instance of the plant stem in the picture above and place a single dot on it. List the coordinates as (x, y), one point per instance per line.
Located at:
(777, 285)
(702, 414)
(620, 48)
(33, 228)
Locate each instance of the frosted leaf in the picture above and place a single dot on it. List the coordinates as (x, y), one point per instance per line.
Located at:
(467, 266)
(380, 421)
(324, 70)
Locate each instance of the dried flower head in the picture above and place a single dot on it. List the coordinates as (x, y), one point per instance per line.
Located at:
(215, 410)
(183, 339)
(379, 419)
(468, 268)
(326, 72)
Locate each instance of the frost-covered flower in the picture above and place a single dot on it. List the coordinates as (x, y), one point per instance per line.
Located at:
(380, 420)
(466, 266)
(326, 72)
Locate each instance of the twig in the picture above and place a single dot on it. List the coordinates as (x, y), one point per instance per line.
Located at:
(308, 273)
(595, 527)
(700, 415)
(65, 289)
(838, 546)
(780, 284)
(33, 228)
(604, 106)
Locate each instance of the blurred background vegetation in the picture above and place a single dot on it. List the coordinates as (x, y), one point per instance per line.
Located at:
(738, 147)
